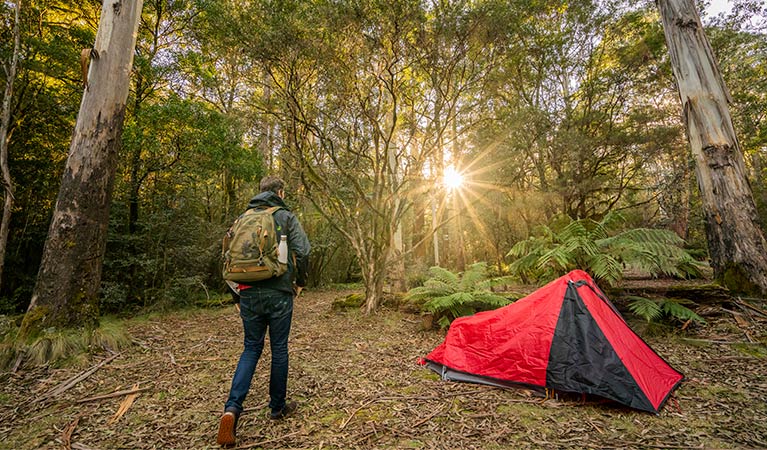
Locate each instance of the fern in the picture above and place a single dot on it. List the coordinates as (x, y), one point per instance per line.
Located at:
(675, 308)
(655, 310)
(600, 249)
(645, 308)
(448, 295)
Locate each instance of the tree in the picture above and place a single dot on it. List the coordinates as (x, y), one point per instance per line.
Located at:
(5, 119)
(737, 246)
(68, 282)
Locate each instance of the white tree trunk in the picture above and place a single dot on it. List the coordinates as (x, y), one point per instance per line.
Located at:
(5, 121)
(736, 244)
(68, 282)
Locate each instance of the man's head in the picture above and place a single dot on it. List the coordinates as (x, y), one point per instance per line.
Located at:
(273, 184)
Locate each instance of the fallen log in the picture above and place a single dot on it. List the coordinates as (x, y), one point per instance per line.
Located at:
(699, 293)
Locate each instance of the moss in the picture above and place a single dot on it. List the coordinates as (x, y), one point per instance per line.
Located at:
(736, 279)
(350, 301)
(33, 321)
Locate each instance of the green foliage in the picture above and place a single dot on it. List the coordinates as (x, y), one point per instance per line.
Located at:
(654, 310)
(601, 250)
(448, 295)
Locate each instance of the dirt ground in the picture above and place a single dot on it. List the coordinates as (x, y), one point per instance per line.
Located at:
(358, 385)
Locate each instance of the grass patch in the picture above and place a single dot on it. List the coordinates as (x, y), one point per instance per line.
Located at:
(755, 350)
(63, 347)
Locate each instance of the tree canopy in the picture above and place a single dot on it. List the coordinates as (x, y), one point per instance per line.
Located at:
(547, 108)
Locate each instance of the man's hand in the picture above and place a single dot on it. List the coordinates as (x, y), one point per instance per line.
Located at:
(297, 290)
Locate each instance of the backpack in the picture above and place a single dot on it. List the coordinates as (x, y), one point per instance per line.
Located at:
(250, 247)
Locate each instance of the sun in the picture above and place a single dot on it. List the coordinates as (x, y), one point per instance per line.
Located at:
(452, 179)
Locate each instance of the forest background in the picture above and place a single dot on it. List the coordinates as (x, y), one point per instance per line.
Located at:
(548, 109)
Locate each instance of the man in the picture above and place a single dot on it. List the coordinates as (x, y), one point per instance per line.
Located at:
(268, 304)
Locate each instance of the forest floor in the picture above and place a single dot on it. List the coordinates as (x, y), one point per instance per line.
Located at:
(358, 385)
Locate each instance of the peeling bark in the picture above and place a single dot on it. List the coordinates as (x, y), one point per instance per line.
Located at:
(736, 243)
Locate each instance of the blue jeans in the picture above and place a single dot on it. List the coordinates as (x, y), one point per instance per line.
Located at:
(261, 309)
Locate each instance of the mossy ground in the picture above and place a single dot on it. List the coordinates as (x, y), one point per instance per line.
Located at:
(358, 386)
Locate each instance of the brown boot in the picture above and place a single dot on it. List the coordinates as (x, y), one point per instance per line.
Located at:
(287, 410)
(227, 429)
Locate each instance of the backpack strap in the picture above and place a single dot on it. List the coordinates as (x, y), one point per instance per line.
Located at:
(271, 210)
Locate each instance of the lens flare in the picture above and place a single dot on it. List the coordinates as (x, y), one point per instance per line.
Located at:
(452, 179)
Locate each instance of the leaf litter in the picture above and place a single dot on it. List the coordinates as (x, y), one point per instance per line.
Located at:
(358, 385)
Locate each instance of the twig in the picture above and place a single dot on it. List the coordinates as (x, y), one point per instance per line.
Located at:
(423, 421)
(595, 427)
(258, 444)
(64, 386)
(367, 403)
(66, 435)
(113, 394)
(740, 302)
(124, 406)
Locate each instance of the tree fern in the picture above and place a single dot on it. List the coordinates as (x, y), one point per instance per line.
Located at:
(601, 250)
(448, 295)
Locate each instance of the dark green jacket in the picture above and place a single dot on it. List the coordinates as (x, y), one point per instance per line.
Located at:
(298, 244)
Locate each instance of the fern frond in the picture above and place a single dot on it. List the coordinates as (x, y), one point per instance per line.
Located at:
(497, 281)
(611, 220)
(525, 247)
(443, 275)
(557, 258)
(689, 267)
(438, 285)
(675, 309)
(425, 292)
(574, 230)
(490, 299)
(473, 275)
(605, 268)
(645, 308)
(448, 301)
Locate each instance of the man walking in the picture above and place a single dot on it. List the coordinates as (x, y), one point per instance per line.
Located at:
(268, 304)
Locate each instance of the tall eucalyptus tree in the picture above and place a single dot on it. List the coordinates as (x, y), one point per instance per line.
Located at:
(736, 243)
(68, 282)
(9, 68)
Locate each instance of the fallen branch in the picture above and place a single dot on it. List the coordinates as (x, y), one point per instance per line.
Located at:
(113, 394)
(744, 304)
(367, 403)
(64, 386)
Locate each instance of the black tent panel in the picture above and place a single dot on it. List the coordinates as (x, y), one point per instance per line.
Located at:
(582, 360)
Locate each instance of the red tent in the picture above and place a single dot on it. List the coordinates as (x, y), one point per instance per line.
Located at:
(565, 336)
